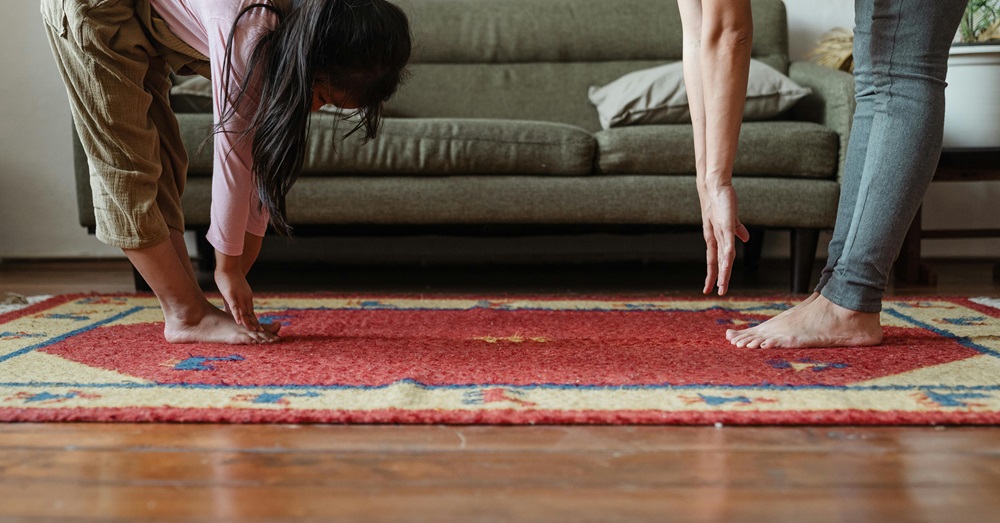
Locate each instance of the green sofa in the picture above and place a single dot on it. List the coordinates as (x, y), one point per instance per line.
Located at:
(494, 129)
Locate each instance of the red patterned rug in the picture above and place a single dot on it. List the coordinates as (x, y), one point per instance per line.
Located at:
(505, 360)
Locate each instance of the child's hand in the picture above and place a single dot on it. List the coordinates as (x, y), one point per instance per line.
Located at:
(238, 296)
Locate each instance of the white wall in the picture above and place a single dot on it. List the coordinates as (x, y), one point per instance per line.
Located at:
(809, 19)
(37, 191)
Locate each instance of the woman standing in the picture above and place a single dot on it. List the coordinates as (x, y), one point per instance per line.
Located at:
(901, 61)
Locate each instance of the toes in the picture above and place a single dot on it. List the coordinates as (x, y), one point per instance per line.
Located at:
(263, 337)
(772, 343)
(733, 334)
(745, 341)
(755, 343)
(242, 339)
(741, 339)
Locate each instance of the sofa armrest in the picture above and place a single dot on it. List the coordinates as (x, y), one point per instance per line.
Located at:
(831, 102)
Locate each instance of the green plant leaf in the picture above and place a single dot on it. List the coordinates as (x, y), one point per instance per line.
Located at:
(980, 18)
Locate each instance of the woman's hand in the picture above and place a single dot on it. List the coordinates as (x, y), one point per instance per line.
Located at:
(719, 225)
(236, 292)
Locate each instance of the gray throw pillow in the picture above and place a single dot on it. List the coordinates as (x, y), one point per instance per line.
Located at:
(191, 94)
(192, 86)
(657, 96)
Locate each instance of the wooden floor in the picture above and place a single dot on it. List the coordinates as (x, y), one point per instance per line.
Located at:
(129, 472)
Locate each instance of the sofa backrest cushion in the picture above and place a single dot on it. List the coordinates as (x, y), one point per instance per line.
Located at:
(535, 59)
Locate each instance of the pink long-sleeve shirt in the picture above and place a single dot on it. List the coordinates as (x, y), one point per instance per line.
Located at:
(205, 25)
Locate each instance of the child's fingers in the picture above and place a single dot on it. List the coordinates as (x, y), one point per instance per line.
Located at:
(239, 314)
(252, 318)
(243, 314)
(249, 318)
(229, 307)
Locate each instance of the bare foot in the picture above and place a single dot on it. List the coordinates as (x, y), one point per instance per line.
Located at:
(745, 335)
(213, 326)
(818, 323)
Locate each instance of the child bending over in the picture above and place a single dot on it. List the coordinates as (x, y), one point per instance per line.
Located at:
(271, 62)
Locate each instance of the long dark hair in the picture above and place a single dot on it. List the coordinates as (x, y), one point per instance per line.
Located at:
(358, 46)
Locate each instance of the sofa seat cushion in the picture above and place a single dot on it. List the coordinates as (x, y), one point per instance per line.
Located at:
(772, 148)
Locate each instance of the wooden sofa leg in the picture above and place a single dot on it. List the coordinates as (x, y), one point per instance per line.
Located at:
(804, 243)
(752, 250)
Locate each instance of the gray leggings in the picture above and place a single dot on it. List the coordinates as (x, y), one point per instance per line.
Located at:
(900, 63)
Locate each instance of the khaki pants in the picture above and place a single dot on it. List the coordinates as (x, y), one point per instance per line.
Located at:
(118, 85)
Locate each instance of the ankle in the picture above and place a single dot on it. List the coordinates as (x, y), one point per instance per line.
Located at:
(846, 314)
(186, 314)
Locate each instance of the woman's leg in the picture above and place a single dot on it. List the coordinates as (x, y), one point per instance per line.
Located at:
(857, 148)
(907, 58)
(854, 166)
(910, 40)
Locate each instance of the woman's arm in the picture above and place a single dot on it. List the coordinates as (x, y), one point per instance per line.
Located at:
(717, 42)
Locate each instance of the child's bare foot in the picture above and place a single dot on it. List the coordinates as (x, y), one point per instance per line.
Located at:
(818, 323)
(211, 325)
(735, 336)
